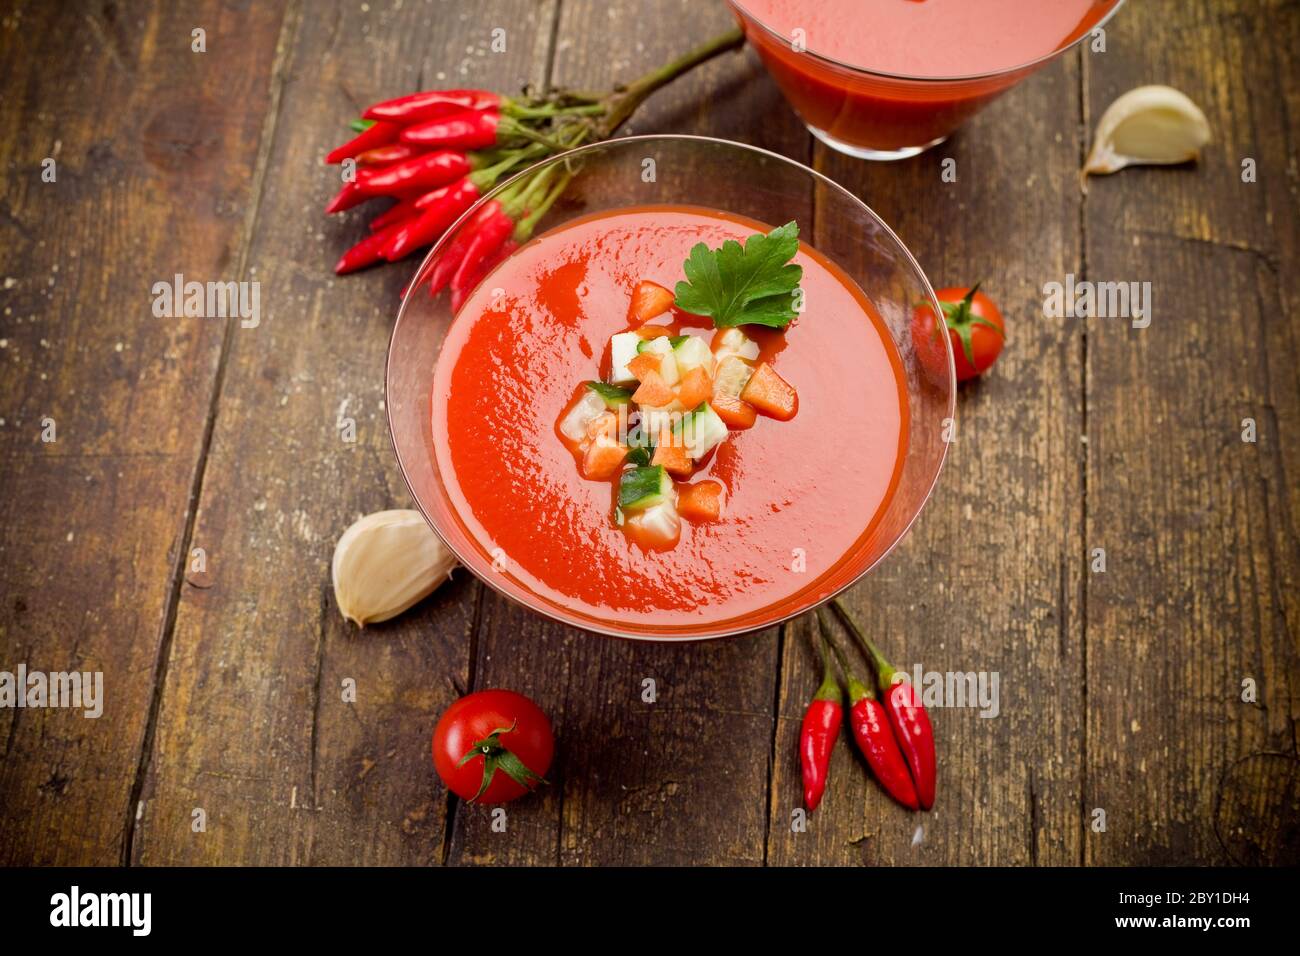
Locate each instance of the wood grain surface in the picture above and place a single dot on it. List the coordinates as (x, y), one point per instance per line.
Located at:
(245, 723)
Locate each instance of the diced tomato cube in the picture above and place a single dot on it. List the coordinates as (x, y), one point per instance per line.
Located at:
(649, 300)
(770, 394)
(695, 387)
(733, 411)
(671, 453)
(644, 364)
(701, 501)
(603, 459)
(603, 425)
(653, 391)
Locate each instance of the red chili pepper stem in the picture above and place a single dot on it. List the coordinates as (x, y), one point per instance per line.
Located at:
(885, 671)
(857, 690)
(830, 686)
(550, 110)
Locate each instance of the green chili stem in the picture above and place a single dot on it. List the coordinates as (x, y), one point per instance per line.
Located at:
(884, 670)
(635, 93)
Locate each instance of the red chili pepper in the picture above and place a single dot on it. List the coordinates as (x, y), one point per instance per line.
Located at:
(350, 195)
(906, 715)
(406, 209)
(821, 725)
(441, 208)
(487, 239)
(387, 155)
(422, 173)
(417, 107)
(873, 735)
(468, 129)
(380, 134)
(366, 252)
(449, 258)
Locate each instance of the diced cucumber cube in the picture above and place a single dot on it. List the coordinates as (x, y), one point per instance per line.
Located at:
(692, 353)
(731, 377)
(574, 425)
(622, 349)
(644, 487)
(737, 343)
(659, 345)
(613, 396)
(702, 430)
(660, 523)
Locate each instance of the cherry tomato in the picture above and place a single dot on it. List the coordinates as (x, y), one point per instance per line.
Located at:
(975, 328)
(508, 742)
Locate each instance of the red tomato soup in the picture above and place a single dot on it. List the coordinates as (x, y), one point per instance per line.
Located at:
(797, 493)
(933, 39)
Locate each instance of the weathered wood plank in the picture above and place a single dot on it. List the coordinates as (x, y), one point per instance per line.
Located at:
(155, 148)
(253, 726)
(682, 780)
(989, 579)
(1199, 527)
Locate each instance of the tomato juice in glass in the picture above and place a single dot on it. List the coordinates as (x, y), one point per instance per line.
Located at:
(886, 79)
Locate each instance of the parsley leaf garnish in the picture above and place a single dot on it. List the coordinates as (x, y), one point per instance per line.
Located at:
(754, 285)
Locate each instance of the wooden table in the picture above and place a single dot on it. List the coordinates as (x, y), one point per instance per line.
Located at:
(1119, 691)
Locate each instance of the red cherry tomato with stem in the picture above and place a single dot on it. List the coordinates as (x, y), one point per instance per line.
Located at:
(975, 328)
(493, 746)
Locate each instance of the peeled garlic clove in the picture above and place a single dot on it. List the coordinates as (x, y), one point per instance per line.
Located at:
(1149, 125)
(386, 562)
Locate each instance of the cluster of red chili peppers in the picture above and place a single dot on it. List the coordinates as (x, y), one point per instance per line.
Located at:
(435, 153)
(894, 735)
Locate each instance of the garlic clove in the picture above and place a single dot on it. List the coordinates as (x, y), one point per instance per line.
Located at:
(386, 562)
(1150, 125)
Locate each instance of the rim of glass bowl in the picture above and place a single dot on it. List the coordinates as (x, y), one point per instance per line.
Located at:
(569, 618)
(992, 74)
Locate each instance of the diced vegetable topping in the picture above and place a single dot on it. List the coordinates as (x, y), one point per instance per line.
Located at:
(613, 396)
(653, 390)
(732, 376)
(603, 459)
(656, 527)
(729, 342)
(734, 412)
(663, 348)
(695, 387)
(670, 452)
(649, 300)
(701, 431)
(636, 428)
(622, 349)
(641, 488)
(701, 501)
(574, 425)
(770, 394)
(604, 425)
(653, 418)
(691, 352)
(644, 364)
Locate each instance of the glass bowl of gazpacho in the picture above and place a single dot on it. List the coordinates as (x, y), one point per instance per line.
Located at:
(702, 398)
(887, 79)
